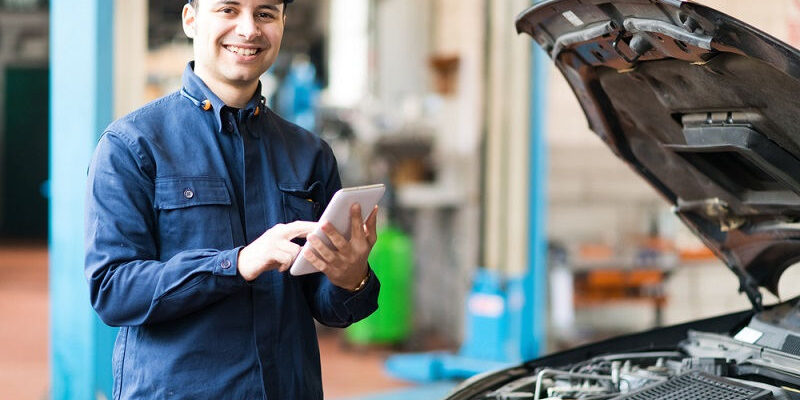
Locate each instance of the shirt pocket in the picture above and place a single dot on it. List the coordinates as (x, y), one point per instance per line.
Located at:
(193, 213)
(301, 202)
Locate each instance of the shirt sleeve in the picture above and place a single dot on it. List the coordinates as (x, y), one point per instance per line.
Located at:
(330, 304)
(128, 283)
(338, 307)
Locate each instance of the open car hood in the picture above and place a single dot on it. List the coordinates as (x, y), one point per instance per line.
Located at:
(704, 107)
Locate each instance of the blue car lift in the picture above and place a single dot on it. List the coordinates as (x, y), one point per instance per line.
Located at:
(506, 318)
(80, 103)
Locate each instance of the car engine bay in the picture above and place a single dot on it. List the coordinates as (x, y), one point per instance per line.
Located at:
(762, 361)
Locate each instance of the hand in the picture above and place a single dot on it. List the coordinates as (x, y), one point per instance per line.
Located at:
(345, 264)
(273, 249)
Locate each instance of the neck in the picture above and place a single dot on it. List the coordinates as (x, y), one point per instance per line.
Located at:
(233, 95)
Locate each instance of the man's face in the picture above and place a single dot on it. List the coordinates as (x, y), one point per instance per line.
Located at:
(235, 41)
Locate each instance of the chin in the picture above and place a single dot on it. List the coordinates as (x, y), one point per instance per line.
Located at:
(244, 78)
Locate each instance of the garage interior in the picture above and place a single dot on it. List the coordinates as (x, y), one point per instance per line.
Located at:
(502, 204)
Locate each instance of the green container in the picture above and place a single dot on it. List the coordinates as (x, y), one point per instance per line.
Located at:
(391, 260)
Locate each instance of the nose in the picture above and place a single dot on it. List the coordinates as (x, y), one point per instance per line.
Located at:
(246, 27)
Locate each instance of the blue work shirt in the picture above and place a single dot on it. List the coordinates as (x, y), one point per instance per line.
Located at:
(175, 190)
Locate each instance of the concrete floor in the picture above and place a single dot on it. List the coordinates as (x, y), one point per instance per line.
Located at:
(24, 370)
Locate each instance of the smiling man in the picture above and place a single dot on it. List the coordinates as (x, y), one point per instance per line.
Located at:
(194, 205)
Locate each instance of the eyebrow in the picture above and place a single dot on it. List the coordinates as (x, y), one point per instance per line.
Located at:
(271, 7)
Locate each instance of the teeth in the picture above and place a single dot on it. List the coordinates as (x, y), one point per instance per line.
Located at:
(242, 51)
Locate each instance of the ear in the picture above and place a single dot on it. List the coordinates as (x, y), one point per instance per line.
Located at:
(189, 16)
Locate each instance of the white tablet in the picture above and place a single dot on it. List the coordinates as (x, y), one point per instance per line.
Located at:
(338, 213)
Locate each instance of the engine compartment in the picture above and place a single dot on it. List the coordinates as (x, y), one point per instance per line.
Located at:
(705, 366)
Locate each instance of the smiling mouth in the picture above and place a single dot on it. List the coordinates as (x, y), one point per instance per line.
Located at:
(242, 51)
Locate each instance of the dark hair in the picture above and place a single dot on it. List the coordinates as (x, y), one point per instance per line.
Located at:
(285, 4)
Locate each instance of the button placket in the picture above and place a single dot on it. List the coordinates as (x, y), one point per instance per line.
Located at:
(230, 122)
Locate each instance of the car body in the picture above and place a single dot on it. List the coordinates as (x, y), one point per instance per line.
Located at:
(706, 109)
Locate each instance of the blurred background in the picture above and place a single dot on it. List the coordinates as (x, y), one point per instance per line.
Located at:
(502, 205)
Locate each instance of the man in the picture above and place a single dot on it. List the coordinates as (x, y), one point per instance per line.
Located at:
(193, 203)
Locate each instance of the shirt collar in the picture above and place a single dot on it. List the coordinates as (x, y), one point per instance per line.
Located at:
(196, 90)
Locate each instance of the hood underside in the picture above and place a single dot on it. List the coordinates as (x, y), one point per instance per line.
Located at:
(702, 106)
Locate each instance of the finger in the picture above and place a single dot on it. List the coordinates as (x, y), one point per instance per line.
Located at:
(321, 249)
(282, 258)
(293, 250)
(339, 242)
(296, 229)
(371, 226)
(277, 264)
(356, 222)
(288, 261)
(289, 247)
(317, 262)
(285, 267)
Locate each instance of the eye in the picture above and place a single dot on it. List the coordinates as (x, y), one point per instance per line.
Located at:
(227, 10)
(265, 15)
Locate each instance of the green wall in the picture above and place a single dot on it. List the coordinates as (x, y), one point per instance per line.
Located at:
(25, 145)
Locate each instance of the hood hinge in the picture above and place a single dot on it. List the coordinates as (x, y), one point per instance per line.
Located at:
(712, 208)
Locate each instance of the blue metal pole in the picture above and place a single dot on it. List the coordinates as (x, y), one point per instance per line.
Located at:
(80, 104)
(535, 313)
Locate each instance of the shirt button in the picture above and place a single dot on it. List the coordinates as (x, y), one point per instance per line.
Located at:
(225, 264)
(188, 193)
(229, 126)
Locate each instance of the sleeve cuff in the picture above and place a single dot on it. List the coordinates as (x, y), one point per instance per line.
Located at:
(226, 263)
(347, 297)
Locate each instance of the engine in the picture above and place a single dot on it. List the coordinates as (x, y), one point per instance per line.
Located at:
(705, 367)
